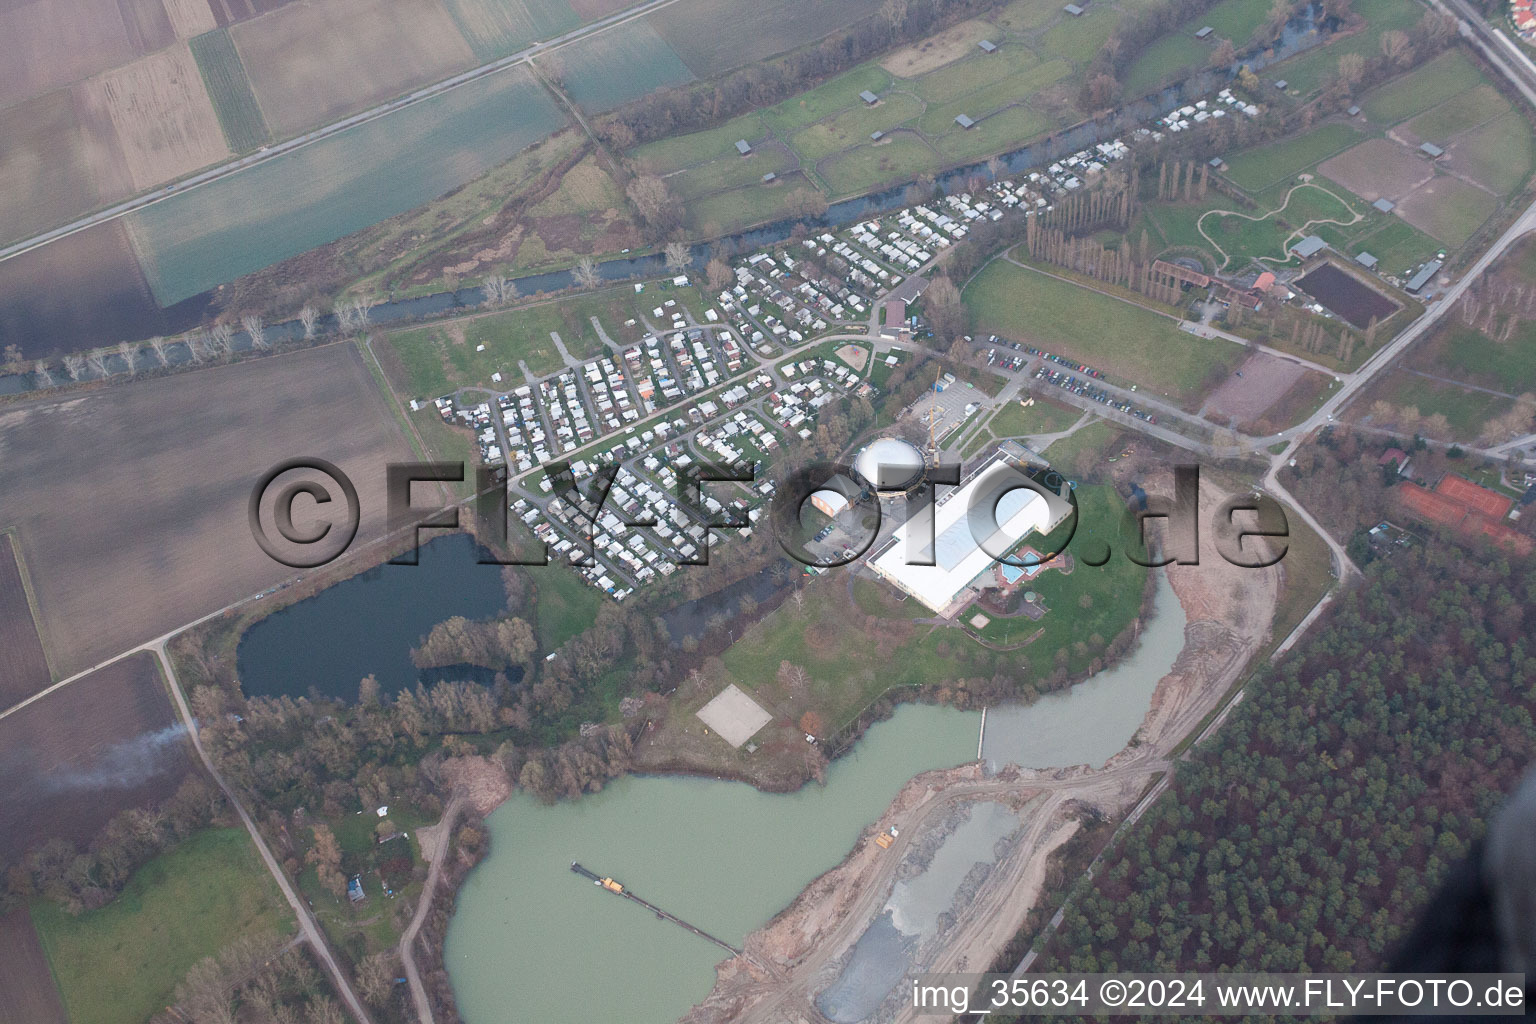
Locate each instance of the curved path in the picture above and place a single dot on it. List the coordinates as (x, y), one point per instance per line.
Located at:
(434, 874)
(1227, 258)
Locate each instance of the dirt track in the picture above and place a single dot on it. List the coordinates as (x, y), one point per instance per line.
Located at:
(1228, 612)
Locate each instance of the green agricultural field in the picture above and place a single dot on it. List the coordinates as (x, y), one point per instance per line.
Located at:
(897, 158)
(665, 156)
(733, 171)
(756, 203)
(123, 961)
(714, 36)
(1078, 39)
(202, 238)
(1255, 170)
(611, 68)
(853, 126)
(230, 91)
(1125, 339)
(838, 94)
(1448, 75)
(1017, 88)
(496, 28)
(962, 78)
(996, 134)
(1460, 113)
(1455, 210)
(1499, 154)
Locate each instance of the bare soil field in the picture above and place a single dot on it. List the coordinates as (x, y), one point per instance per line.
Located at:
(310, 63)
(1265, 378)
(936, 51)
(1376, 168)
(1346, 295)
(23, 664)
(36, 62)
(27, 992)
(80, 292)
(45, 177)
(86, 751)
(147, 23)
(164, 120)
(130, 502)
(190, 17)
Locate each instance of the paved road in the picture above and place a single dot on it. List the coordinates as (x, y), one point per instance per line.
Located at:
(279, 149)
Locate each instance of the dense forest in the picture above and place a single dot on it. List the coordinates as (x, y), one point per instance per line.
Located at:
(1311, 831)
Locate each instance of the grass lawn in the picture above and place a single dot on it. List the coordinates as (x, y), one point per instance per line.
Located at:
(1255, 170)
(1163, 60)
(841, 93)
(1465, 410)
(860, 169)
(1078, 39)
(853, 126)
(1397, 244)
(1457, 211)
(1472, 356)
(1422, 88)
(122, 962)
(754, 203)
(1498, 154)
(1099, 330)
(732, 171)
(1078, 454)
(999, 132)
(1309, 71)
(1014, 420)
(565, 603)
(673, 154)
(1465, 110)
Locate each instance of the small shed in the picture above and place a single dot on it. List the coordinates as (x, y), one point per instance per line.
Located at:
(1384, 205)
(876, 136)
(869, 97)
(1217, 163)
(1366, 260)
(964, 122)
(1353, 111)
(1282, 85)
(1308, 247)
(1204, 32)
(770, 176)
(987, 46)
(1432, 151)
(1074, 10)
(743, 147)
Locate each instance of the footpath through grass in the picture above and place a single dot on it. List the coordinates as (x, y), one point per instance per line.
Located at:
(122, 963)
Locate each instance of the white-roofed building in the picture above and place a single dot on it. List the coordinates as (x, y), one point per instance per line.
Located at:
(1008, 512)
(890, 464)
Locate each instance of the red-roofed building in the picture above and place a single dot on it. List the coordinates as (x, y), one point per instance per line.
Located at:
(1265, 282)
(1396, 455)
(1477, 499)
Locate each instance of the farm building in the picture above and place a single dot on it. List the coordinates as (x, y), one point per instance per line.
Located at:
(1353, 111)
(743, 147)
(1204, 32)
(1308, 247)
(1432, 151)
(1282, 85)
(1385, 205)
(1425, 274)
(869, 97)
(958, 555)
(769, 177)
(1366, 260)
(1074, 10)
(963, 121)
(1217, 163)
(987, 46)
(876, 136)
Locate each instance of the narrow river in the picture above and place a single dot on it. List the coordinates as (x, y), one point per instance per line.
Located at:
(533, 942)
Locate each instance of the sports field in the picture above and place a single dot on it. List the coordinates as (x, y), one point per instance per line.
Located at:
(81, 754)
(170, 463)
(1121, 338)
(282, 207)
(123, 962)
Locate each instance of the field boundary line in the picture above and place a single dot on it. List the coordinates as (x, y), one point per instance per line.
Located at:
(13, 535)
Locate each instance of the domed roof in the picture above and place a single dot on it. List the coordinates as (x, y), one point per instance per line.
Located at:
(890, 464)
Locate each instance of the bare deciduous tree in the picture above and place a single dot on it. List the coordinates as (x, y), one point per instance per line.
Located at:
(197, 345)
(157, 346)
(223, 336)
(97, 361)
(309, 316)
(499, 290)
(346, 318)
(41, 375)
(362, 306)
(75, 367)
(128, 353)
(1396, 47)
(251, 323)
(719, 273)
(678, 256)
(585, 274)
